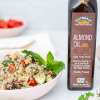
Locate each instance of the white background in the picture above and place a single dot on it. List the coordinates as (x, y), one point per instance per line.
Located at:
(46, 16)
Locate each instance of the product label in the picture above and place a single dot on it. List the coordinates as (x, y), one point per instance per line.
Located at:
(83, 36)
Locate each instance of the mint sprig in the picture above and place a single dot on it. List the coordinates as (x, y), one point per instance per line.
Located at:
(35, 56)
(54, 65)
(51, 64)
(86, 96)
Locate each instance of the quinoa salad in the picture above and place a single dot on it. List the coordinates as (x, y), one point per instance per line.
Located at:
(26, 69)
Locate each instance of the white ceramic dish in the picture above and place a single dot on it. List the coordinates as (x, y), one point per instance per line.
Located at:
(11, 32)
(27, 93)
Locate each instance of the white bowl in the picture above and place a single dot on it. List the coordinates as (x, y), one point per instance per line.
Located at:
(11, 32)
(27, 93)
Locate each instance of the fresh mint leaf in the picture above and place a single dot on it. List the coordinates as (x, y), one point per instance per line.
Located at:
(50, 57)
(81, 97)
(90, 94)
(86, 96)
(53, 65)
(34, 56)
(50, 63)
(56, 66)
(38, 59)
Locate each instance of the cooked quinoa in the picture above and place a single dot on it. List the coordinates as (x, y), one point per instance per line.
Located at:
(19, 71)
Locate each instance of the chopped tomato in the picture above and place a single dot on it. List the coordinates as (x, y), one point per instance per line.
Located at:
(11, 68)
(25, 62)
(22, 62)
(32, 82)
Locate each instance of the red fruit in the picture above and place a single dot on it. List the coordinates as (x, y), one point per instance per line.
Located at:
(18, 24)
(11, 23)
(32, 82)
(11, 68)
(14, 23)
(3, 24)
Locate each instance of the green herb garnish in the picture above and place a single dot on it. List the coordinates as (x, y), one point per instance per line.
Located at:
(50, 63)
(34, 56)
(54, 65)
(86, 96)
(7, 62)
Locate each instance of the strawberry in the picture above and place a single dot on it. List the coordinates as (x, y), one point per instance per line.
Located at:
(14, 23)
(3, 24)
(18, 23)
(11, 23)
